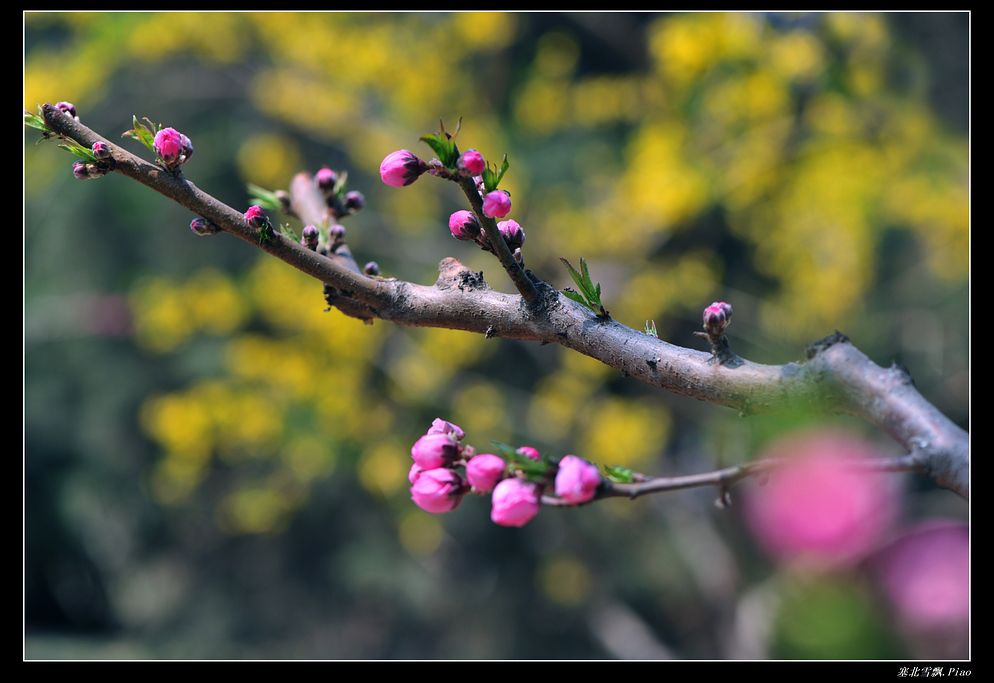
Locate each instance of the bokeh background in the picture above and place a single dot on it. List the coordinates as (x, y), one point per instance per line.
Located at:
(216, 467)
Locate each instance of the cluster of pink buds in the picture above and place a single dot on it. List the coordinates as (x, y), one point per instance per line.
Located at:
(173, 148)
(105, 161)
(437, 485)
(716, 319)
(401, 168)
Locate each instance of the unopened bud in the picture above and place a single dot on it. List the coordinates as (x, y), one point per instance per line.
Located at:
(471, 163)
(354, 201)
(401, 168)
(497, 204)
(326, 179)
(514, 236)
(256, 217)
(100, 149)
(464, 225)
(201, 226)
(371, 268)
(716, 318)
(68, 108)
(309, 237)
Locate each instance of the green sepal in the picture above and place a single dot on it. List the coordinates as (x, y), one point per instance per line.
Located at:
(142, 133)
(619, 474)
(491, 179)
(443, 144)
(264, 198)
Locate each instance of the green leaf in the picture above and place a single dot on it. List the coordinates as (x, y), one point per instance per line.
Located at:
(491, 179)
(80, 151)
(443, 144)
(36, 122)
(264, 198)
(619, 474)
(591, 293)
(142, 133)
(288, 232)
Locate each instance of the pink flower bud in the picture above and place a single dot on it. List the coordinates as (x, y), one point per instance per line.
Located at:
(819, 507)
(577, 480)
(438, 490)
(529, 452)
(471, 163)
(497, 204)
(464, 225)
(484, 471)
(326, 179)
(256, 217)
(355, 202)
(401, 168)
(716, 318)
(515, 502)
(100, 149)
(201, 226)
(440, 426)
(67, 108)
(371, 268)
(309, 237)
(80, 171)
(435, 450)
(514, 236)
(926, 574)
(173, 147)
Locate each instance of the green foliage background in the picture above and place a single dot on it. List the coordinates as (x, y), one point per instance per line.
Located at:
(216, 466)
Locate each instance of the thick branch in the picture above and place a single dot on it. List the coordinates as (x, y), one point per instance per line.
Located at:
(835, 378)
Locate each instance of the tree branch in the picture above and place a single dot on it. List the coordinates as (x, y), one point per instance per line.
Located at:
(835, 378)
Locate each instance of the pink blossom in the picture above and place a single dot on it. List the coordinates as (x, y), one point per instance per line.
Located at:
(926, 574)
(440, 426)
(484, 471)
(438, 490)
(435, 450)
(464, 225)
(172, 146)
(577, 480)
(818, 506)
(326, 179)
(515, 502)
(513, 235)
(256, 217)
(716, 318)
(529, 452)
(497, 204)
(471, 163)
(401, 168)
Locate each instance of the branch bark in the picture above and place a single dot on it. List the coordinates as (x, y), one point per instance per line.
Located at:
(834, 378)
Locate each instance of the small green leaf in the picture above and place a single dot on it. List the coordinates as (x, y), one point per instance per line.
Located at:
(36, 122)
(491, 179)
(264, 198)
(142, 133)
(288, 232)
(619, 474)
(575, 297)
(443, 145)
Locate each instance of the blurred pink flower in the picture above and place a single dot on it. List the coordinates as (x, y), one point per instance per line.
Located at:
(926, 574)
(577, 480)
(438, 490)
(515, 502)
(530, 453)
(440, 426)
(435, 450)
(817, 507)
(484, 471)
